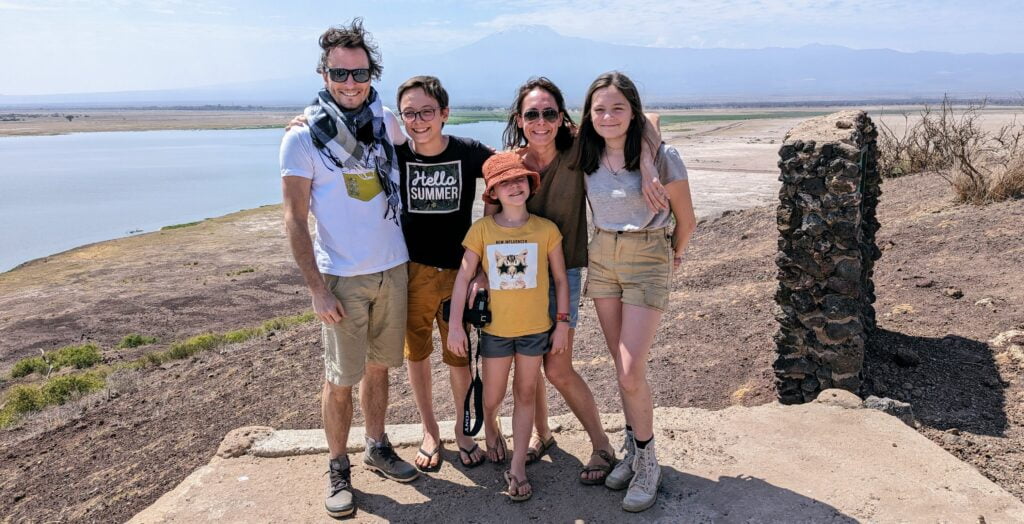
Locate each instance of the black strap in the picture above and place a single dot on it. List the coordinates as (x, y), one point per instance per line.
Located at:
(475, 395)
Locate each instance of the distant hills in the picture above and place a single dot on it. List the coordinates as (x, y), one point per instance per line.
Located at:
(487, 72)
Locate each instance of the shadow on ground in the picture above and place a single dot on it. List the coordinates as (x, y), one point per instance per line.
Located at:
(952, 382)
(682, 498)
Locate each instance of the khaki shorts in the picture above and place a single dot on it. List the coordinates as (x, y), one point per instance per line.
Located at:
(373, 326)
(634, 266)
(429, 288)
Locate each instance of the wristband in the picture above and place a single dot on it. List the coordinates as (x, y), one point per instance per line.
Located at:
(561, 317)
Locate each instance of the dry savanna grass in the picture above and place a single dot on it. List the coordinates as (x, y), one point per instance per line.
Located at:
(980, 165)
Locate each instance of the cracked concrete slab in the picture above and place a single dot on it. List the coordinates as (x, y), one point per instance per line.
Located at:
(825, 461)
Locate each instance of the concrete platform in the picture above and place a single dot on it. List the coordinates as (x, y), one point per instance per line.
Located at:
(825, 461)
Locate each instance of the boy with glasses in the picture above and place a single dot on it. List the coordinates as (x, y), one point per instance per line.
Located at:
(438, 174)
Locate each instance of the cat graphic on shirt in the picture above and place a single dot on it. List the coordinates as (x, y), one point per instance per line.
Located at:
(511, 269)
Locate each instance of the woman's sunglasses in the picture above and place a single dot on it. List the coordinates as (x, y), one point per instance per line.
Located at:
(338, 74)
(549, 114)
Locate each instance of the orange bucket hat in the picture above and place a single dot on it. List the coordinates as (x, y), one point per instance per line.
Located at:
(505, 166)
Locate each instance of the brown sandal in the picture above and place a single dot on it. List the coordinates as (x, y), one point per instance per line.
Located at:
(609, 462)
(515, 485)
(535, 454)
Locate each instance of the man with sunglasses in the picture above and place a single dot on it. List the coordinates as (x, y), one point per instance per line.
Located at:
(343, 168)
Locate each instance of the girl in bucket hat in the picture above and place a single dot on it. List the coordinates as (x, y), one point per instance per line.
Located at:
(516, 250)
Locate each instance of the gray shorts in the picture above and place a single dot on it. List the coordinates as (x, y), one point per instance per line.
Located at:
(529, 345)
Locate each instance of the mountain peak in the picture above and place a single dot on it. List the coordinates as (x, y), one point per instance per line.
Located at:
(527, 29)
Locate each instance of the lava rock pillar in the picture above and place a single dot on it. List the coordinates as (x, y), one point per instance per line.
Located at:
(827, 250)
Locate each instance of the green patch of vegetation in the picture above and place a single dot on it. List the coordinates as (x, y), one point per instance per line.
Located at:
(59, 390)
(84, 356)
(474, 116)
(275, 324)
(241, 335)
(28, 398)
(27, 366)
(134, 340)
(207, 341)
(81, 357)
(179, 226)
(241, 271)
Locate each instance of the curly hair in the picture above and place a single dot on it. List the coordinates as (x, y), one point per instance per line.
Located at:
(352, 36)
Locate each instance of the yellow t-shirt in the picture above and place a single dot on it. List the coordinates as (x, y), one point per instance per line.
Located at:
(516, 262)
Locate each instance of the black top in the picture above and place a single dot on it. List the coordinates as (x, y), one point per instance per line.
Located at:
(437, 199)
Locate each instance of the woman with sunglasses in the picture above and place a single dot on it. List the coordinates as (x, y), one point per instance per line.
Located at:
(541, 131)
(631, 259)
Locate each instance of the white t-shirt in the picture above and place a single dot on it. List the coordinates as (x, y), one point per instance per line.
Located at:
(352, 235)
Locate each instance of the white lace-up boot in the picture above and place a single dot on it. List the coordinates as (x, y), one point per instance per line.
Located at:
(620, 476)
(643, 489)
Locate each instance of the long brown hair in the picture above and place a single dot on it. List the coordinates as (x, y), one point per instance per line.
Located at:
(513, 137)
(592, 144)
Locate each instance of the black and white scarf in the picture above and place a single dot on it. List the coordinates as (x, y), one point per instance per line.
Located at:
(363, 140)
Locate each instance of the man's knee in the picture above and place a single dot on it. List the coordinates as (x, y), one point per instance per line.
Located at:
(375, 372)
(333, 393)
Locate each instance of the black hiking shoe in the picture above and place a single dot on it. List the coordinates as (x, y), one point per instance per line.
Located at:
(381, 457)
(339, 502)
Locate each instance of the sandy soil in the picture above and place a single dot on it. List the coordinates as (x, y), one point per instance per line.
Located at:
(118, 451)
(55, 122)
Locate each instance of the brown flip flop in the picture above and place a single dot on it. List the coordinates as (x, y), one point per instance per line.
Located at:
(469, 454)
(609, 462)
(534, 454)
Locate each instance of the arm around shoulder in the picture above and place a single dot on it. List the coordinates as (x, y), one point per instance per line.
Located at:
(394, 128)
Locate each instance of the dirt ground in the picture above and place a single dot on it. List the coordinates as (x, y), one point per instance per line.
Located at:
(109, 455)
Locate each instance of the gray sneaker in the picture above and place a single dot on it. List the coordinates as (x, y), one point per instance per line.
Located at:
(623, 473)
(339, 501)
(381, 457)
(643, 489)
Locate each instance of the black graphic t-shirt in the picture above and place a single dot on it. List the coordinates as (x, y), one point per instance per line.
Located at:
(437, 199)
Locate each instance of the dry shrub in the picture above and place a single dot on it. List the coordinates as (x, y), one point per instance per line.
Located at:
(914, 151)
(1009, 183)
(980, 166)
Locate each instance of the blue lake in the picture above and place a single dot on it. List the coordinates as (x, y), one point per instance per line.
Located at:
(60, 192)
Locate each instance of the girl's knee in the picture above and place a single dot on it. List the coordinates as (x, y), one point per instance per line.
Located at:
(631, 381)
(560, 376)
(523, 392)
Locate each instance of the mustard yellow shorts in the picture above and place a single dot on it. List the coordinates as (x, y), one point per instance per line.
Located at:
(372, 328)
(429, 288)
(634, 266)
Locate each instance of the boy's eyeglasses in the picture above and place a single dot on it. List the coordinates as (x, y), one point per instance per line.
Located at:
(339, 74)
(549, 114)
(425, 115)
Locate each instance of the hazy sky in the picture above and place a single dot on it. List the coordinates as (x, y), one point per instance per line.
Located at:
(75, 46)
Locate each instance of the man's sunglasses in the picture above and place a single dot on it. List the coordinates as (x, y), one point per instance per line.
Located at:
(338, 74)
(549, 114)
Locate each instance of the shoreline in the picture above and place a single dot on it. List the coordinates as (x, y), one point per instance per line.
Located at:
(52, 122)
(163, 229)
